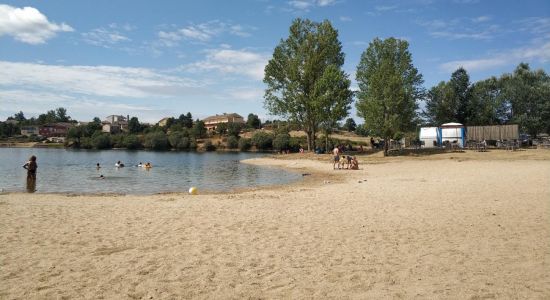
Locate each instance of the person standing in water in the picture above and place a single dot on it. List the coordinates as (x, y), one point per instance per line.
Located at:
(31, 167)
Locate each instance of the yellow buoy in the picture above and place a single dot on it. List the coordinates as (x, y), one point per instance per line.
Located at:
(193, 190)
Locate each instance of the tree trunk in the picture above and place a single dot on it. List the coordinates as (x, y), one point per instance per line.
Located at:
(386, 146)
(308, 134)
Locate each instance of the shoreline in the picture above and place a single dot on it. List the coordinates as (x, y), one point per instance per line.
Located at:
(457, 225)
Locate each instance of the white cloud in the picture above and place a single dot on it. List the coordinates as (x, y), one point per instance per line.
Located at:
(537, 52)
(306, 5)
(104, 37)
(228, 61)
(28, 25)
(385, 7)
(481, 19)
(462, 28)
(247, 94)
(203, 32)
(100, 81)
(345, 19)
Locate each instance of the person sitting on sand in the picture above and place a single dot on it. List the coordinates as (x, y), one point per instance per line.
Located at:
(343, 162)
(354, 163)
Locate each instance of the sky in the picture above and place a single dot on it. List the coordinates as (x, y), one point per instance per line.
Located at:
(156, 59)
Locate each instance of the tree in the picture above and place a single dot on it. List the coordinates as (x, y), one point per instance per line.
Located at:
(20, 117)
(350, 125)
(253, 121)
(281, 141)
(262, 140)
(199, 130)
(486, 105)
(232, 142)
(441, 106)
(233, 129)
(389, 86)
(133, 125)
(221, 128)
(460, 85)
(61, 115)
(186, 120)
(294, 75)
(528, 93)
(335, 99)
(156, 140)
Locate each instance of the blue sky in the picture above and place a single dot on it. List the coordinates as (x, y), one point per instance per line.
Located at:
(153, 59)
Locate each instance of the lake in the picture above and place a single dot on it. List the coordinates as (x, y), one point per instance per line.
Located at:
(74, 171)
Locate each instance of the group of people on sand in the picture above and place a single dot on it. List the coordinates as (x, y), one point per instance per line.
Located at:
(344, 161)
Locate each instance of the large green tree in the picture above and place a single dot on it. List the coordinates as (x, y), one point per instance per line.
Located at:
(528, 93)
(389, 87)
(295, 76)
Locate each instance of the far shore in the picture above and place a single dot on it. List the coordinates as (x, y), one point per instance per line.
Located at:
(460, 225)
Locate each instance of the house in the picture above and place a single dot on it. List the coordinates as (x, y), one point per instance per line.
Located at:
(163, 122)
(29, 130)
(213, 121)
(55, 129)
(115, 124)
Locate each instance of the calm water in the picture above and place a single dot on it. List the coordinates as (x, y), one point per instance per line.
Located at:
(74, 171)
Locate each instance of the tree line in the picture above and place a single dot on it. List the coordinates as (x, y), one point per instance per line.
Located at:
(306, 85)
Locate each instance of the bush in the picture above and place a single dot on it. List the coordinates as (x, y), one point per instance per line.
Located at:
(178, 140)
(232, 142)
(281, 141)
(156, 140)
(208, 146)
(262, 140)
(132, 142)
(101, 140)
(117, 141)
(244, 144)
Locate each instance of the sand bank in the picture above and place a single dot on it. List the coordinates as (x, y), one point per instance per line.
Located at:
(460, 226)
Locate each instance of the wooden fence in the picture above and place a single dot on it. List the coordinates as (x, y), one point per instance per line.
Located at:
(495, 132)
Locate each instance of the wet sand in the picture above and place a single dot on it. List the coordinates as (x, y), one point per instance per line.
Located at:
(460, 226)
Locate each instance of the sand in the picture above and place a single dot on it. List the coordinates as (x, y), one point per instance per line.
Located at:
(448, 226)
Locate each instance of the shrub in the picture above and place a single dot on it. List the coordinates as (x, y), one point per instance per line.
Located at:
(178, 140)
(262, 140)
(101, 140)
(131, 142)
(208, 146)
(281, 141)
(156, 140)
(244, 144)
(232, 142)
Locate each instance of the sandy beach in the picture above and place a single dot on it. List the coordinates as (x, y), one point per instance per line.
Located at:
(447, 226)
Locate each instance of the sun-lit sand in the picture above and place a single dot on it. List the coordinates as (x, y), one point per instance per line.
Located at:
(449, 226)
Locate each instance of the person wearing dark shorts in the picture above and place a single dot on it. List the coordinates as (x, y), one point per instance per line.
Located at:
(31, 167)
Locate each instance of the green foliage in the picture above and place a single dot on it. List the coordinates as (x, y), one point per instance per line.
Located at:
(362, 130)
(528, 95)
(245, 144)
(186, 120)
(132, 142)
(101, 140)
(304, 79)
(451, 101)
(134, 126)
(350, 125)
(253, 121)
(208, 146)
(156, 140)
(117, 141)
(232, 142)
(221, 128)
(389, 86)
(178, 140)
(281, 141)
(234, 129)
(199, 130)
(262, 140)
